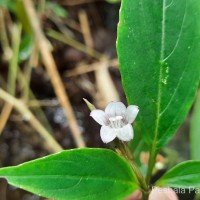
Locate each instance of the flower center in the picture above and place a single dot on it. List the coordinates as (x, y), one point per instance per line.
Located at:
(116, 122)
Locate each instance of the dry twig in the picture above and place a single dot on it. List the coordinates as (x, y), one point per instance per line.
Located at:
(104, 83)
(82, 69)
(50, 65)
(5, 113)
(12, 73)
(85, 27)
(50, 143)
(73, 43)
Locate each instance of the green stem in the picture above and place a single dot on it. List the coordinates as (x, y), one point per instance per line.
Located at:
(126, 153)
(13, 64)
(81, 47)
(151, 165)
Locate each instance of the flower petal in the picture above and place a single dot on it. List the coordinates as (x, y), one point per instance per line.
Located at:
(100, 117)
(107, 134)
(125, 133)
(114, 109)
(132, 112)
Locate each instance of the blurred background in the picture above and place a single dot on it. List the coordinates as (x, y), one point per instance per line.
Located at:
(52, 55)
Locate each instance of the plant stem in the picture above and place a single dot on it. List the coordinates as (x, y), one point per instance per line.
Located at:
(151, 165)
(7, 52)
(81, 47)
(129, 157)
(13, 64)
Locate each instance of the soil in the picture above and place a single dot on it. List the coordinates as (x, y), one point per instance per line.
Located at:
(19, 142)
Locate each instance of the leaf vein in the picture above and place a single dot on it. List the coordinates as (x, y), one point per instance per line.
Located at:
(53, 176)
(179, 36)
(177, 89)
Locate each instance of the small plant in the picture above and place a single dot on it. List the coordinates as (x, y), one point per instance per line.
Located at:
(158, 47)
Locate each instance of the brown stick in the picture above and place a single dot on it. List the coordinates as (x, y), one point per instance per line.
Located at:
(104, 83)
(50, 143)
(7, 109)
(91, 67)
(85, 27)
(51, 68)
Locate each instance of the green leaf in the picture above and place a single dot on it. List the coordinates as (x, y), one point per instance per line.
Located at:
(22, 17)
(184, 175)
(195, 130)
(26, 47)
(8, 4)
(57, 9)
(158, 47)
(75, 174)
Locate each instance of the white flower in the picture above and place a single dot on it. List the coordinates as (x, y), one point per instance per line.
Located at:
(116, 121)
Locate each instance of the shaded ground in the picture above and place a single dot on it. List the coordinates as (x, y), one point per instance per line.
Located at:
(19, 142)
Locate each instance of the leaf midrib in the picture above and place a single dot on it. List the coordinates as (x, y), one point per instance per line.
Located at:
(69, 177)
(160, 77)
(162, 61)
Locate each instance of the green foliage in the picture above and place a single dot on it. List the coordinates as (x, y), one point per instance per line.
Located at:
(56, 8)
(184, 175)
(8, 4)
(75, 174)
(195, 130)
(26, 47)
(22, 16)
(158, 48)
